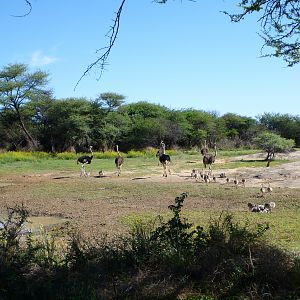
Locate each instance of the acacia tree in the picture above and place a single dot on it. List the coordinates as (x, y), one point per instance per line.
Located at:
(280, 25)
(273, 143)
(286, 125)
(17, 87)
(110, 101)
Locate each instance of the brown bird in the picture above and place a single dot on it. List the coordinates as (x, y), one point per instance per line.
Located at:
(119, 160)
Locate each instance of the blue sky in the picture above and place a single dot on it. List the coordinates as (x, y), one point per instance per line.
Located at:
(181, 55)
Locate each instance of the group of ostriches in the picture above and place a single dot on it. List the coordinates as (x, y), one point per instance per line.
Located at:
(164, 160)
(86, 160)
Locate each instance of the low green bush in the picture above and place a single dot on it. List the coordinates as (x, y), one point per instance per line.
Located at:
(159, 259)
(12, 156)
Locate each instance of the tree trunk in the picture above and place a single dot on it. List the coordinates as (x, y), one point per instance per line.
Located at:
(32, 142)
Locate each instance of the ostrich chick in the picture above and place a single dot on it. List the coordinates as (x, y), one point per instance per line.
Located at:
(236, 181)
(263, 189)
(269, 189)
(243, 181)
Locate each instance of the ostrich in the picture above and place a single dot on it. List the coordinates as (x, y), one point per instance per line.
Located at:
(162, 149)
(243, 181)
(119, 160)
(204, 150)
(263, 189)
(206, 178)
(269, 188)
(262, 208)
(85, 160)
(208, 159)
(165, 160)
(256, 207)
(236, 182)
(196, 174)
(269, 206)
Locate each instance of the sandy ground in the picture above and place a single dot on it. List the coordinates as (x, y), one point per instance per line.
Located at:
(285, 176)
(101, 213)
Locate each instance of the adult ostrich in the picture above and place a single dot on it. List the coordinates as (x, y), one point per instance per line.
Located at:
(208, 159)
(85, 160)
(119, 160)
(204, 150)
(162, 150)
(165, 160)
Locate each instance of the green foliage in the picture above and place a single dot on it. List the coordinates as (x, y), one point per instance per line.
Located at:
(110, 101)
(239, 128)
(176, 237)
(279, 26)
(58, 125)
(273, 143)
(286, 125)
(17, 87)
(144, 110)
(10, 232)
(12, 156)
(228, 261)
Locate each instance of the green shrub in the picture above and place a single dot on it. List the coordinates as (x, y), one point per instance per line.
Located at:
(13, 156)
(66, 155)
(107, 154)
(159, 259)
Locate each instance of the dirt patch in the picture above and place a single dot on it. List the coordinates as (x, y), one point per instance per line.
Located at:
(284, 176)
(100, 203)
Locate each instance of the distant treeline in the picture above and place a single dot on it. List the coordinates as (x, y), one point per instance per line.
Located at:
(31, 118)
(76, 123)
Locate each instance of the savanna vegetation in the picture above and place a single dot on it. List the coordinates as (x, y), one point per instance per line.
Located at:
(31, 118)
(161, 256)
(163, 259)
(126, 238)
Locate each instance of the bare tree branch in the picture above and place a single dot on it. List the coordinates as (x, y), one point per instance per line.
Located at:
(112, 34)
(28, 12)
(101, 62)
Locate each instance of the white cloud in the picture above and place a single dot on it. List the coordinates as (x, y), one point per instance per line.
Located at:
(38, 59)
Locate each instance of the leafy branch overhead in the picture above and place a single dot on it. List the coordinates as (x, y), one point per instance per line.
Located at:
(280, 26)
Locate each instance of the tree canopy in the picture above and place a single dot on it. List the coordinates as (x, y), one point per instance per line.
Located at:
(17, 87)
(279, 24)
(273, 143)
(30, 114)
